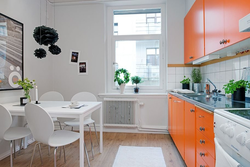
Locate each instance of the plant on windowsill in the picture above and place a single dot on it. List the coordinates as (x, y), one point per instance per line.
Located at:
(196, 78)
(121, 77)
(237, 89)
(185, 83)
(136, 80)
(27, 86)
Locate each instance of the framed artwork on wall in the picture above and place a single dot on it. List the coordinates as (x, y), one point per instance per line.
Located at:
(74, 56)
(11, 52)
(83, 68)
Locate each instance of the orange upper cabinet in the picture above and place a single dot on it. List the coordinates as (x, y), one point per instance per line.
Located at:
(222, 23)
(235, 10)
(194, 32)
(214, 25)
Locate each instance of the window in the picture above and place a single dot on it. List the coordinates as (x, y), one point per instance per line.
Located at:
(136, 38)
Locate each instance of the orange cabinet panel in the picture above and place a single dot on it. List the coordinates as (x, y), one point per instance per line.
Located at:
(194, 32)
(234, 10)
(189, 134)
(201, 152)
(207, 144)
(205, 117)
(214, 25)
(200, 162)
(169, 113)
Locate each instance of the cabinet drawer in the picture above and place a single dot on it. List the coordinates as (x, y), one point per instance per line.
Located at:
(201, 163)
(205, 143)
(204, 117)
(205, 155)
(205, 129)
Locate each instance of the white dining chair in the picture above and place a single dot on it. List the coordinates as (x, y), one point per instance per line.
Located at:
(10, 133)
(42, 128)
(84, 96)
(53, 96)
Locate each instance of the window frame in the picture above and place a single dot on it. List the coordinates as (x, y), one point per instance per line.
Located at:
(111, 39)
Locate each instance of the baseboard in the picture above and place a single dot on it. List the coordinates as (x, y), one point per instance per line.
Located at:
(7, 153)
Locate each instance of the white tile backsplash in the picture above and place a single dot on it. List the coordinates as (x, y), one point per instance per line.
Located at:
(179, 70)
(188, 70)
(243, 62)
(179, 78)
(222, 76)
(236, 75)
(222, 66)
(171, 70)
(229, 65)
(216, 67)
(171, 78)
(236, 63)
(229, 75)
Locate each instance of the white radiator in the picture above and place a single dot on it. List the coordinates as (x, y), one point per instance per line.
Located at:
(120, 112)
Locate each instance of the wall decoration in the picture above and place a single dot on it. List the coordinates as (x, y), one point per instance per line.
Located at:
(11, 52)
(74, 56)
(46, 36)
(83, 68)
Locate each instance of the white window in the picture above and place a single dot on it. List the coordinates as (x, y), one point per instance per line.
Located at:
(136, 39)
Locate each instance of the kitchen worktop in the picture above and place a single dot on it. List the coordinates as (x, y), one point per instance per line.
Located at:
(212, 103)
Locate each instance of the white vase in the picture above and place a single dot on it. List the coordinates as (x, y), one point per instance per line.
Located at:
(122, 87)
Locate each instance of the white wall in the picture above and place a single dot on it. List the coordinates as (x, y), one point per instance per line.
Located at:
(175, 31)
(189, 4)
(27, 12)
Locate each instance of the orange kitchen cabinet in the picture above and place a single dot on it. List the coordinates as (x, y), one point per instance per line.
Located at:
(189, 134)
(222, 23)
(205, 147)
(179, 124)
(214, 25)
(170, 113)
(234, 10)
(194, 32)
(173, 118)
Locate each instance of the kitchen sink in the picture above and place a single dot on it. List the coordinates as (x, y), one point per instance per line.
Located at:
(194, 95)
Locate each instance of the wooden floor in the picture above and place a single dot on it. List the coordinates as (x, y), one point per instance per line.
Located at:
(111, 142)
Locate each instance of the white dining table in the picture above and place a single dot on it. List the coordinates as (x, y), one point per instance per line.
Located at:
(62, 109)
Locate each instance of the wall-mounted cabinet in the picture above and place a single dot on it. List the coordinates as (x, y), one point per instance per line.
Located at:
(212, 25)
(222, 23)
(194, 32)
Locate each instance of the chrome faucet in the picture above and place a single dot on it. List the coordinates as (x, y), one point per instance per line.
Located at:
(215, 92)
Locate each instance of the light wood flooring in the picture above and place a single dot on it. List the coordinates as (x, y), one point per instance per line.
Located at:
(111, 142)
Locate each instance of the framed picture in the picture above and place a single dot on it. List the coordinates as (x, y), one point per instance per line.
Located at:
(74, 56)
(83, 68)
(11, 52)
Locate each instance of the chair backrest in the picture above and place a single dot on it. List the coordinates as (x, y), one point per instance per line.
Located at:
(84, 96)
(5, 120)
(40, 122)
(52, 96)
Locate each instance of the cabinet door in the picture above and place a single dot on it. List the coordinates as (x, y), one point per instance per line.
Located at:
(214, 25)
(173, 118)
(189, 134)
(169, 113)
(180, 126)
(194, 32)
(234, 11)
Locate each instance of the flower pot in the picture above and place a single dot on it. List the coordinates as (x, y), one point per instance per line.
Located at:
(136, 90)
(196, 87)
(185, 86)
(239, 94)
(122, 87)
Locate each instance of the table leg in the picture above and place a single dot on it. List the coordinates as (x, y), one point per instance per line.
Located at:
(101, 130)
(81, 143)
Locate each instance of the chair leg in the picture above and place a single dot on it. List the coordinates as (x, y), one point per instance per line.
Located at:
(34, 150)
(64, 154)
(21, 143)
(40, 152)
(86, 152)
(55, 156)
(92, 148)
(96, 134)
(60, 125)
(14, 142)
(11, 152)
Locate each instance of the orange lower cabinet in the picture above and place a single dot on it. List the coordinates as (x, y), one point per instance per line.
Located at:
(200, 162)
(169, 113)
(206, 143)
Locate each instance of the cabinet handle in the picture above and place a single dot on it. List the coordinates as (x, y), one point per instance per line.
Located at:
(202, 154)
(178, 101)
(191, 110)
(202, 141)
(202, 129)
(191, 57)
(201, 116)
(221, 42)
(202, 166)
(170, 97)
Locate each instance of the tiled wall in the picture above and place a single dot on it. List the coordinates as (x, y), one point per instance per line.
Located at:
(219, 73)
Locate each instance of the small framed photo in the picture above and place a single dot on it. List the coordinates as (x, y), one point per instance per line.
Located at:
(74, 56)
(83, 68)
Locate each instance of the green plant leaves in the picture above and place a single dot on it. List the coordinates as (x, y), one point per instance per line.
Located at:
(185, 80)
(196, 75)
(118, 73)
(232, 86)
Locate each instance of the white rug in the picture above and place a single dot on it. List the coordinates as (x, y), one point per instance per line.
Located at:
(130, 156)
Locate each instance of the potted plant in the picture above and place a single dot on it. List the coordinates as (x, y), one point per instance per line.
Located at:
(185, 83)
(136, 80)
(196, 78)
(121, 77)
(237, 89)
(27, 86)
